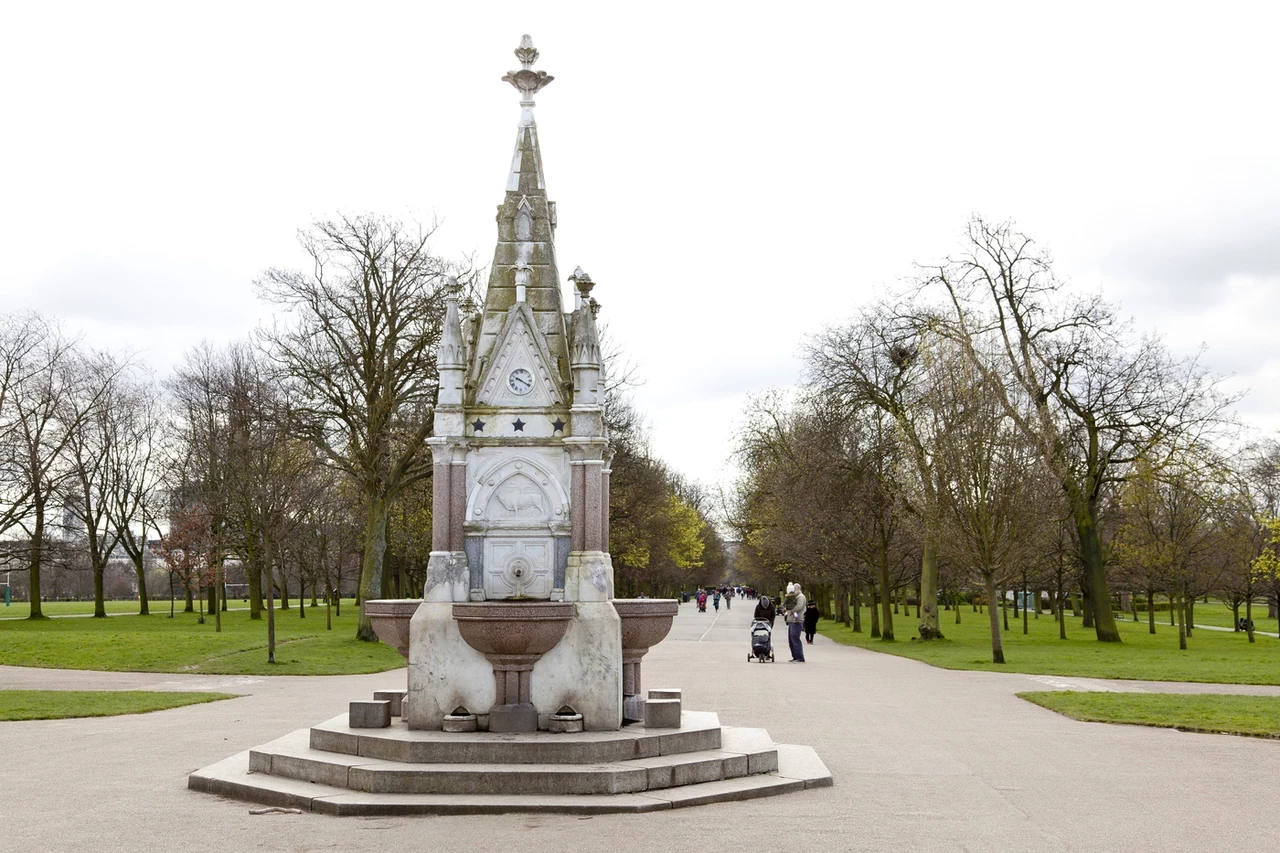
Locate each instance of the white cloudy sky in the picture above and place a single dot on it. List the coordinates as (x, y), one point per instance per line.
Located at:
(733, 175)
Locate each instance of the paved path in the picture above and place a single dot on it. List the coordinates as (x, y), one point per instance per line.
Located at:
(924, 759)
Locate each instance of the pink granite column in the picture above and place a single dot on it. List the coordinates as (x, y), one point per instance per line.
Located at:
(604, 507)
(593, 538)
(440, 503)
(577, 499)
(457, 501)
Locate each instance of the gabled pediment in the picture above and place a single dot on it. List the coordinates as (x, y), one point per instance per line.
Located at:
(520, 371)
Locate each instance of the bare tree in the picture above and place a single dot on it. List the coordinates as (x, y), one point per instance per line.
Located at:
(43, 425)
(359, 351)
(1091, 396)
(996, 510)
(91, 410)
(876, 361)
(134, 493)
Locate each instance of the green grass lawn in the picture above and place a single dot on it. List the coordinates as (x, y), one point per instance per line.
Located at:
(1213, 613)
(1240, 715)
(60, 704)
(1212, 656)
(157, 643)
(21, 609)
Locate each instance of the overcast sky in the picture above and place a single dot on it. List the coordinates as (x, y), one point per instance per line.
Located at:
(733, 176)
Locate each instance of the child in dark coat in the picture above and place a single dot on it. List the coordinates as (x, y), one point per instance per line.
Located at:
(810, 622)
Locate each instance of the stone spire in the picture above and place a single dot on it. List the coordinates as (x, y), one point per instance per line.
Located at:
(524, 270)
(451, 359)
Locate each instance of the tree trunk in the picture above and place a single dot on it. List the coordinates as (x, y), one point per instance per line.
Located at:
(271, 610)
(37, 557)
(219, 597)
(190, 606)
(1248, 617)
(302, 610)
(1235, 616)
(957, 607)
(1191, 617)
(375, 546)
(1151, 611)
(253, 574)
(874, 600)
(886, 615)
(144, 608)
(927, 603)
(1025, 603)
(856, 608)
(1182, 628)
(99, 596)
(997, 642)
(1095, 573)
(1062, 614)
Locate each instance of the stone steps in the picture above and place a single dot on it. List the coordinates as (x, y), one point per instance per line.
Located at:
(699, 731)
(292, 758)
(798, 767)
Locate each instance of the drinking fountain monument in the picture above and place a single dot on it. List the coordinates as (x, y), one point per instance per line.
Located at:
(524, 671)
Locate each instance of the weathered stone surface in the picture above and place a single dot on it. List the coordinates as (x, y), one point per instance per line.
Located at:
(664, 693)
(633, 708)
(628, 786)
(662, 714)
(460, 723)
(444, 671)
(390, 619)
(395, 697)
(584, 671)
(564, 723)
(370, 715)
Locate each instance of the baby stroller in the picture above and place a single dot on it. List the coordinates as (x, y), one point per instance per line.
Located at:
(761, 642)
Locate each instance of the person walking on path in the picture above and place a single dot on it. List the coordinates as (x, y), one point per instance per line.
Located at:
(793, 609)
(715, 599)
(765, 610)
(810, 621)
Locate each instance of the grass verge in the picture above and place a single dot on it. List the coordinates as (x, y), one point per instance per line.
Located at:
(1221, 657)
(1257, 716)
(61, 704)
(157, 643)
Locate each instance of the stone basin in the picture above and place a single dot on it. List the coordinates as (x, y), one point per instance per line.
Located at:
(645, 622)
(390, 619)
(513, 635)
(513, 627)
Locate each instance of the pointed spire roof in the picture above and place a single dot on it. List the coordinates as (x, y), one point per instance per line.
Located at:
(451, 353)
(524, 260)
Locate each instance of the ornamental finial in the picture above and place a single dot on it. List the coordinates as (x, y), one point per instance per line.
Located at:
(526, 80)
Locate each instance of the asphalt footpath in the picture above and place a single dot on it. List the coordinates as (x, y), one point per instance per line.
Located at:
(923, 759)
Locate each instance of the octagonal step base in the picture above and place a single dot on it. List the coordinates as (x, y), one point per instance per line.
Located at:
(799, 767)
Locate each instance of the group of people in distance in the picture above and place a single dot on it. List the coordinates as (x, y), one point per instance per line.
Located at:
(715, 595)
(798, 613)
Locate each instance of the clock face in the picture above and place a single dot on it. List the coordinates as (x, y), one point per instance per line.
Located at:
(520, 381)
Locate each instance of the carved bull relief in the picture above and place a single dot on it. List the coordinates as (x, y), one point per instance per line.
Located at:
(517, 504)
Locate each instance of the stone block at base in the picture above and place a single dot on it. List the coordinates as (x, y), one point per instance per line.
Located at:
(395, 697)
(662, 714)
(370, 715)
(513, 718)
(665, 693)
(633, 708)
